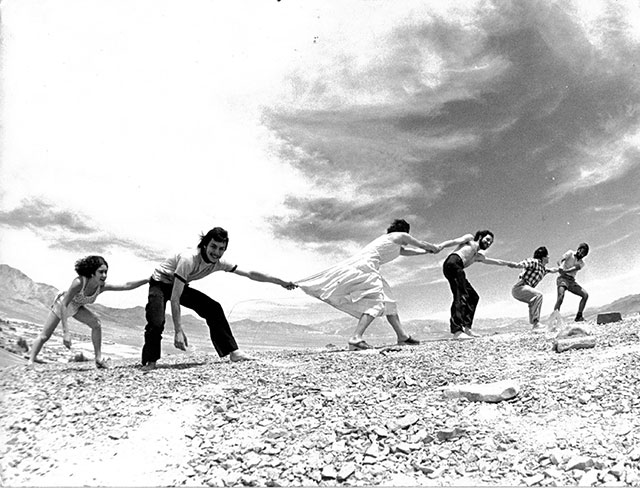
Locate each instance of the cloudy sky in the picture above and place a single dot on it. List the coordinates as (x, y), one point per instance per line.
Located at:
(304, 128)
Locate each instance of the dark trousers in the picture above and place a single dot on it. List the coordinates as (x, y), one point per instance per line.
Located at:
(207, 308)
(465, 298)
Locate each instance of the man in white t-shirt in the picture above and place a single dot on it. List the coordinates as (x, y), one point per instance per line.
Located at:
(570, 263)
(170, 282)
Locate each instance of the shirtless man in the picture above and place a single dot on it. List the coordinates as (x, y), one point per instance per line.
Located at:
(470, 249)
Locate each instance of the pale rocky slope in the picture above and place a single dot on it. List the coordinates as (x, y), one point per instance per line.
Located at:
(328, 417)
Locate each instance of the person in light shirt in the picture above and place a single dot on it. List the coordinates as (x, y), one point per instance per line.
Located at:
(170, 282)
(570, 263)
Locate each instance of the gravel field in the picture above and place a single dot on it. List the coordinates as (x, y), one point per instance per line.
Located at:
(332, 417)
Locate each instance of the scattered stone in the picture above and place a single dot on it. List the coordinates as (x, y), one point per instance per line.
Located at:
(579, 462)
(589, 478)
(373, 450)
(606, 318)
(380, 431)
(22, 344)
(79, 357)
(405, 447)
(634, 455)
(534, 480)
(584, 398)
(401, 479)
(347, 470)
(617, 470)
(559, 456)
(329, 472)
(553, 472)
(448, 434)
(407, 420)
(425, 469)
(117, 434)
(487, 392)
(578, 342)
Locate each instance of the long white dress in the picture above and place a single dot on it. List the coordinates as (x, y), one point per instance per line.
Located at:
(355, 286)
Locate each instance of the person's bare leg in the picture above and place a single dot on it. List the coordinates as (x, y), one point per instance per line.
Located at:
(49, 326)
(363, 324)
(394, 320)
(87, 317)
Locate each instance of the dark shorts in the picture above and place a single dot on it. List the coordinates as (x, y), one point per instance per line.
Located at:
(569, 282)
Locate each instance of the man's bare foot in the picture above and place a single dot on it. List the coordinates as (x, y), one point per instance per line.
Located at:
(150, 366)
(461, 336)
(469, 332)
(237, 356)
(102, 363)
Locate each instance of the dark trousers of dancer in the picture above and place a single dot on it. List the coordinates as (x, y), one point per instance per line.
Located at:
(207, 308)
(465, 298)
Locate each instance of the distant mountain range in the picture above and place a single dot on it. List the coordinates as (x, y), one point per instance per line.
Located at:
(24, 299)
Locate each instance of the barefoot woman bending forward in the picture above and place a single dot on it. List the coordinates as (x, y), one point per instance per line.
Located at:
(84, 289)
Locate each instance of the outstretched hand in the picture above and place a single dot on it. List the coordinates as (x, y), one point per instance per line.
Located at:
(290, 285)
(180, 340)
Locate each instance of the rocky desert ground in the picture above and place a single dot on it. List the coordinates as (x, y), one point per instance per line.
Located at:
(326, 417)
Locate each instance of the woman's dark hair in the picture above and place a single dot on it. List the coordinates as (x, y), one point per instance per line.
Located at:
(540, 253)
(482, 233)
(217, 234)
(399, 225)
(88, 266)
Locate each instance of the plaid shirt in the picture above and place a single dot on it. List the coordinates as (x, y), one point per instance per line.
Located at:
(533, 272)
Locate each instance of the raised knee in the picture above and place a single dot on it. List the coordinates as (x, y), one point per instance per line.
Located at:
(96, 324)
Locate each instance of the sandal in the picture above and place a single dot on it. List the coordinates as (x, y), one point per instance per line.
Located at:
(102, 363)
(409, 341)
(360, 345)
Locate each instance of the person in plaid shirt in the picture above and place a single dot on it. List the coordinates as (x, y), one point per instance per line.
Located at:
(524, 290)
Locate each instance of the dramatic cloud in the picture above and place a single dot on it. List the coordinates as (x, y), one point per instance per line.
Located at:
(104, 244)
(436, 110)
(67, 230)
(36, 214)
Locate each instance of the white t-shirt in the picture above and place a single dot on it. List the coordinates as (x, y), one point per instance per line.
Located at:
(569, 260)
(188, 266)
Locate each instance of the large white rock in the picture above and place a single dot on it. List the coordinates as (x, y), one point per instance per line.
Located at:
(486, 392)
(575, 342)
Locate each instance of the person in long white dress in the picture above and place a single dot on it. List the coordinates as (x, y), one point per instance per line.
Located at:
(356, 287)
